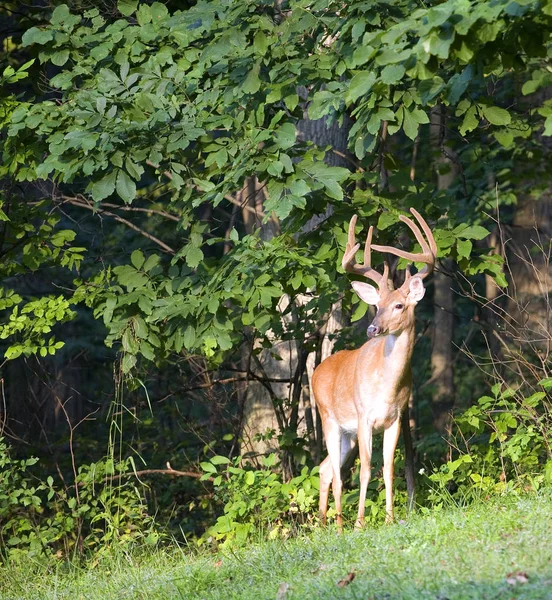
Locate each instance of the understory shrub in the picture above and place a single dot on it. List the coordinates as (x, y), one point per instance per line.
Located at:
(258, 500)
(502, 443)
(101, 509)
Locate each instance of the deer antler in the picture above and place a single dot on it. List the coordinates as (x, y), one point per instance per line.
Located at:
(365, 269)
(429, 246)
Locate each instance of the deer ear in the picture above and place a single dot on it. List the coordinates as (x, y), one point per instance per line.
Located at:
(366, 292)
(417, 289)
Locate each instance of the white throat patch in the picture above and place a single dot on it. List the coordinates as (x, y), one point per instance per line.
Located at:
(390, 341)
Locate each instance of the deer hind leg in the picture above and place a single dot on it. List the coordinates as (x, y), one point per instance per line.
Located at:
(332, 434)
(365, 454)
(390, 439)
(326, 473)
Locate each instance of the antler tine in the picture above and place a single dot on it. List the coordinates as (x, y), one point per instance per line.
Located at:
(427, 231)
(429, 246)
(348, 262)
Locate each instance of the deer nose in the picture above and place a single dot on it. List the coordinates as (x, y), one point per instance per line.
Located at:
(373, 330)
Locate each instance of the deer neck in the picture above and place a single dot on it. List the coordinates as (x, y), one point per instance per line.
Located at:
(392, 354)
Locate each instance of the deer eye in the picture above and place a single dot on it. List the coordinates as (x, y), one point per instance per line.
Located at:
(399, 306)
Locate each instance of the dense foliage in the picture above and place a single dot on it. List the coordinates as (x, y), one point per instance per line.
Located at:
(127, 133)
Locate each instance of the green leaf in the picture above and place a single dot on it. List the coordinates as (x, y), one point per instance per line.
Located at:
(386, 219)
(470, 232)
(153, 261)
(458, 84)
(213, 304)
(471, 120)
(285, 136)
(464, 248)
(260, 43)
(321, 105)
(496, 115)
(127, 7)
(126, 188)
(60, 58)
(104, 187)
(194, 256)
(548, 126)
(392, 74)
(137, 259)
(128, 363)
(208, 467)
(429, 88)
(505, 137)
(159, 12)
(252, 83)
(546, 383)
(220, 460)
(34, 35)
(412, 120)
(189, 338)
(360, 84)
(62, 17)
(250, 477)
(438, 42)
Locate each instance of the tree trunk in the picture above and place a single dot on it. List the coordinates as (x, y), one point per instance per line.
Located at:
(442, 373)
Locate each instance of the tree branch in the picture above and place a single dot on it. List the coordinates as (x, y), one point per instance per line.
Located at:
(83, 204)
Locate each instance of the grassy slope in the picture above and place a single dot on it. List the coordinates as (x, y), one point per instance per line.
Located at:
(453, 554)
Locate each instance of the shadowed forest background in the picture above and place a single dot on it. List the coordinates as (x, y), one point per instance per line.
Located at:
(176, 182)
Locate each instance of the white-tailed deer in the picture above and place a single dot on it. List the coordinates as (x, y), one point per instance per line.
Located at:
(359, 391)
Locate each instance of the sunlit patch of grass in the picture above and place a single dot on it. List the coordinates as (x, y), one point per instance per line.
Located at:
(500, 549)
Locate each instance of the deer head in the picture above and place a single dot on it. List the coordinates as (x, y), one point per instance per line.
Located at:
(395, 307)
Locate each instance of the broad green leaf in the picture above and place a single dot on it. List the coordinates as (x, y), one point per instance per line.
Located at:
(260, 43)
(464, 248)
(62, 16)
(438, 42)
(505, 137)
(103, 188)
(471, 120)
(34, 35)
(60, 58)
(392, 73)
(386, 219)
(193, 256)
(189, 338)
(159, 13)
(137, 258)
(496, 115)
(429, 88)
(128, 363)
(548, 126)
(360, 84)
(285, 136)
(470, 232)
(458, 84)
(126, 188)
(127, 7)
(220, 460)
(151, 262)
(322, 103)
(252, 83)
(412, 121)
(213, 304)
(208, 467)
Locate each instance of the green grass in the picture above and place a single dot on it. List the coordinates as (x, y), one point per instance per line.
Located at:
(451, 554)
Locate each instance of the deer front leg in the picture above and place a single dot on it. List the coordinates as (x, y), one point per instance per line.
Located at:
(365, 454)
(390, 439)
(332, 434)
(326, 476)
